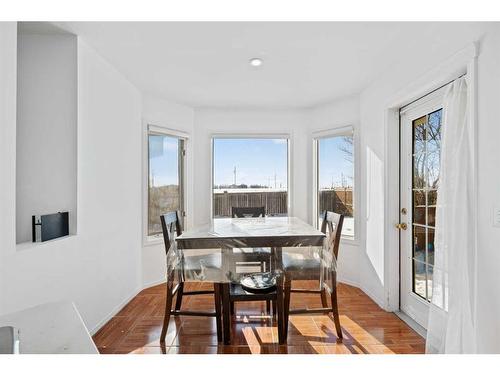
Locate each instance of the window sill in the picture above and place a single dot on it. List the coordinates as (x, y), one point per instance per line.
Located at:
(32, 245)
(351, 241)
(152, 241)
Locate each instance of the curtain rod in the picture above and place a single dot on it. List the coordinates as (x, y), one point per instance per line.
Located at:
(429, 93)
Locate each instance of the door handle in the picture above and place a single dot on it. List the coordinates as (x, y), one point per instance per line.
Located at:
(402, 226)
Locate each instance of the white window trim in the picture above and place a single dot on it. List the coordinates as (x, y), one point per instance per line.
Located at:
(253, 136)
(336, 131)
(151, 128)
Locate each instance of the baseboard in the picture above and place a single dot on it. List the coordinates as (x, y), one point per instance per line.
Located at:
(375, 299)
(122, 305)
(348, 282)
(153, 283)
(113, 312)
(412, 323)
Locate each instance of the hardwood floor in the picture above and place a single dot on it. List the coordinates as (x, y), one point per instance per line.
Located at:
(366, 327)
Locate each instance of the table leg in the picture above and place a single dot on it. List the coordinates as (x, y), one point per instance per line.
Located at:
(278, 256)
(280, 311)
(226, 313)
(218, 310)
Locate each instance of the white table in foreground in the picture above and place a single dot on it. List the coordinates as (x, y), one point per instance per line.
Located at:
(252, 232)
(52, 328)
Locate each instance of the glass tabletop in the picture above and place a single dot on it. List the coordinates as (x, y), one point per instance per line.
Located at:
(225, 250)
(252, 232)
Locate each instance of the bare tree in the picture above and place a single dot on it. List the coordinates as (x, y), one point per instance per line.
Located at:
(347, 148)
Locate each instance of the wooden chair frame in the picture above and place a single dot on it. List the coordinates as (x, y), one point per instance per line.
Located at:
(167, 222)
(232, 293)
(333, 222)
(241, 212)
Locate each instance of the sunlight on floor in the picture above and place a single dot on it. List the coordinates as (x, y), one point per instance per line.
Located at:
(366, 328)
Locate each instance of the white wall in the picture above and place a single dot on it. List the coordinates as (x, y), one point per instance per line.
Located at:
(375, 145)
(103, 262)
(176, 117)
(46, 174)
(337, 114)
(99, 268)
(8, 82)
(488, 298)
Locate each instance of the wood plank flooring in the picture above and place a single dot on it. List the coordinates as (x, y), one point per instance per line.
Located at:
(367, 328)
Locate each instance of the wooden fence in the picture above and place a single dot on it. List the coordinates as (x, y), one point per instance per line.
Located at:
(275, 202)
(338, 200)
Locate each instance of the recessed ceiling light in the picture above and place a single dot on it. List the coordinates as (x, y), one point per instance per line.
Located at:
(256, 61)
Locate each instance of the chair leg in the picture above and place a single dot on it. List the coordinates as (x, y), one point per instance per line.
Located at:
(335, 309)
(273, 307)
(286, 307)
(168, 309)
(218, 310)
(282, 326)
(266, 267)
(180, 291)
(324, 300)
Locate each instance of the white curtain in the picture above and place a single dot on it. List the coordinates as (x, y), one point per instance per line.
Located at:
(451, 321)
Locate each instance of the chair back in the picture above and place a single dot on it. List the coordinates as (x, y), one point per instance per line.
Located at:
(333, 223)
(248, 212)
(171, 226)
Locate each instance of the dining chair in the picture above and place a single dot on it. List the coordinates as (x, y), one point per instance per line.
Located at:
(178, 266)
(258, 255)
(322, 268)
(234, 292)
(248, 212)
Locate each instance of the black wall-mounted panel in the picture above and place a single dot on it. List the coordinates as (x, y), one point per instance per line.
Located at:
(51, 226)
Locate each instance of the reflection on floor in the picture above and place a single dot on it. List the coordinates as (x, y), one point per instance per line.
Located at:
(367, 328)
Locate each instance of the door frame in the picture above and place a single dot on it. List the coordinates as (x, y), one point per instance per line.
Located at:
(416, 307)
(462, 62)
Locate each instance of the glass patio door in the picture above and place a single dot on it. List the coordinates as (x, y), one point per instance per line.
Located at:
(420, 170)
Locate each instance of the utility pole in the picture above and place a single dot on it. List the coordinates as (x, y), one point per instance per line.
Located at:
(275, 179)
(234, 175)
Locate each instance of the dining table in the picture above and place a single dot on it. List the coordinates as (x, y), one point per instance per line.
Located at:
(221, 236)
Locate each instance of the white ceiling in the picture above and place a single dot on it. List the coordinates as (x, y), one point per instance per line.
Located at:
(305, 63)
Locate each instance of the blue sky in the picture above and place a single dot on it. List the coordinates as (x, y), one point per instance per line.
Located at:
(333, 163)
(163, 160)
(256, 161)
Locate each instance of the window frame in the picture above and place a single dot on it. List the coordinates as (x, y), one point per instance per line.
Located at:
(285, 136)
(337, 131)
(150, 128)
